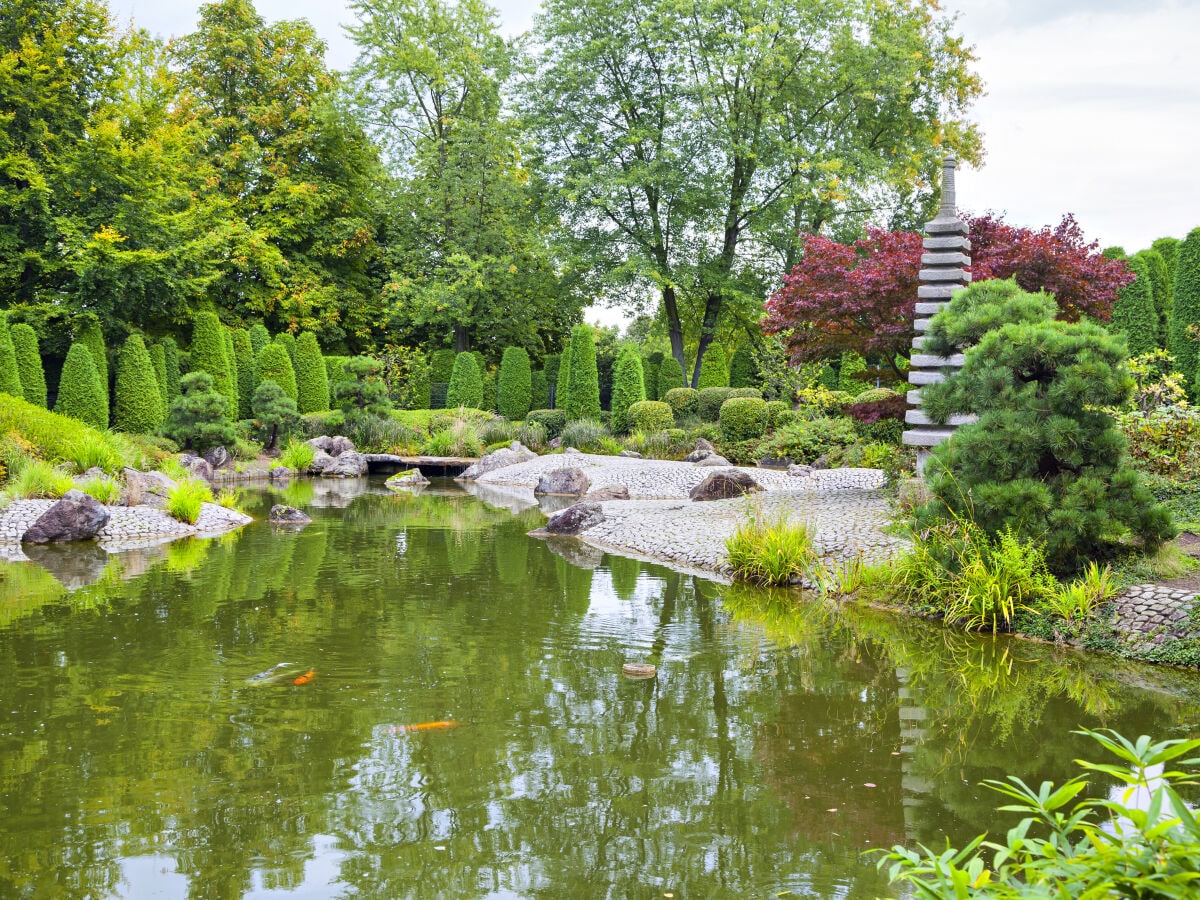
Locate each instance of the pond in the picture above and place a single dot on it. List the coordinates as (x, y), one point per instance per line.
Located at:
(141, 758)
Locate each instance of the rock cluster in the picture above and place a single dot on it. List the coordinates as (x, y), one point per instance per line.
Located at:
(506, 456)
(336, 457)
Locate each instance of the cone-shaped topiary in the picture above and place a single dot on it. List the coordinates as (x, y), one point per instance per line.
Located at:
(275, 364)
(199, 416)
(670, 376)
(741, 369)
(1185, 311)
(539, 390)
(288, 341)
(650, 366)
(274, 413)
(514, 388)
(243, 360)
(714, 368)
(629, 387)
(259, 338)
(29, 363)
(1134, 315)
(79, 393)
(89, 333)
(235, 395)
(10, 375)
(171, 358)
(1044, 459)
(158, 359)
(312, 381)
(1160, 283)
(208, 354)
(583, 395)
(441, 365)
(466, 383)
(137, 404)
(562, 380)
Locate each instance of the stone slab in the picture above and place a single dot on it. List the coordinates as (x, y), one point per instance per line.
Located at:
(926, 437)
(945, 259)
(942, 276)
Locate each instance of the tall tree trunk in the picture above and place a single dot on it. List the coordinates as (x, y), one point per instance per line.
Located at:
(462, 339)
(674, 326)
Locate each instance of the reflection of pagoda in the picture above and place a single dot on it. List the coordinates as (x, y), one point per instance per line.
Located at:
(912, 732)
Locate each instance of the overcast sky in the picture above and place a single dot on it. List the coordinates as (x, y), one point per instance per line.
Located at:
(1092, 106)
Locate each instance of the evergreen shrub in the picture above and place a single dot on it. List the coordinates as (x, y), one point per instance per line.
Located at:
(158, 359)
(741, 369)
(441, 365)
(1160, 289)
(805, 440)
(553, 420)
(466, 383)
(361, 394)
(709, 400)
(629, 387)
(583, 395)
(275, 414)
(745, 392)
(89, 333)
(171, 359)
(208, 354)
(539, 390)
(259, 338)
(234, 393)
(1134, 314)
(743, 418)
(287, 340)
(29, 363)
(80, 395)
(199, 417)
(312, 380)
(10, 375)
(247, 378)
(514, 390)
(777, 412)
(852, 373)
(649, 416)
(1185, 310)
(714, 369)
(684, 402)
(650, 366)
(137, 405)
(275, 365)
(562, 379)
(334, 371)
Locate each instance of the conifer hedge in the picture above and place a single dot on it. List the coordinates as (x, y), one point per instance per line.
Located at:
(275, 364)
(441, 365)
(1160, 284)
(29, 363)
(171, 358)
(158, 359)
(629, 387)
(259, 338)
(514, 388)
(234, 397)
(650, 366)
(1186, 309)
(1134, 315)
(243, 360)
(89, 333)
(562, 380)
(670, 376)
(714, 368)
(137, 403)
(208, 354)
(539, 390)
(80, 395)
(312, 380)
(583, 394)
(335, 371)
(288, 341)
(466, 383)
(741, 369)
(10, 374)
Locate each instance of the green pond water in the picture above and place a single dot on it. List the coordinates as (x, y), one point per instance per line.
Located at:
(777, 744)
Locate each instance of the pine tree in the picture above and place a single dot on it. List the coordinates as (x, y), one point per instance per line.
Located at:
(714, 369)
(1160, 283)
(275, 364)
(171, 357)
(80, 395)
(235, 395)
(312, 381)
(208, 354)
(137, 404)
(274, 413)
(259, 338)
(466, 383)
(89, 333)
(361, 394)
(10, 373)
(29, 363)
(629, 387)
(243, 360)
(1134, 315)
(514, 388)
(199, 416)
(741, 369)
(1185, 311)
(562, 380)
(583, 395)
(670, 376)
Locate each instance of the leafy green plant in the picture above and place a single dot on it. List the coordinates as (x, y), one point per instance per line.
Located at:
(674, 443)
(807, 439)
(297, 456)
(553, 420)
(585, 435)
(684, 401)
(105, 490)
(1079, 598)
(1143, 841)
(651, 415)
(776, 552)
(496, 431)
(187, 498)
(743, 418)
(532, 434)
(92, 451)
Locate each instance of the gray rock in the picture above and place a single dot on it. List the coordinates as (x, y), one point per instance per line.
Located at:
(218, 457)
(321, 461)
(821, 462)
(775, 462)
(320, 443)
(724, 484)
(799, 471)
(287, 515)
(339, 445)
(280, 473)
(713, 459)
(567, 480)
(199, 467)
(555, 443)
(703, 449)
(506, 456)
(93, 472)
(76, 517)
(350, 464)
(149, 488)
(413, 478)
(575, 519)
(611, 492)
(630, 454)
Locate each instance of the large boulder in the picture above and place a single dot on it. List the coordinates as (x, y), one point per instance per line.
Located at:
(411, 478)
(321, 461)
(724, 484)
(703, 449)
(338, 444)
(76, 517)
(280, 473)
(506, 456)
(149, 488)
(713, 459)
(287, 515)
(350, 464)
(575, 519)
(218, 457)
(198, 466)
(609, 492)
(320, 443)
(567, 480)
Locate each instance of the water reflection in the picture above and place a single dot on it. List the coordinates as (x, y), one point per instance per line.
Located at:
(775, 745)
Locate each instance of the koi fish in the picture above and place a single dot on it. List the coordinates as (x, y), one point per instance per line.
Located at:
(281, 673)
(305, 678)
(421, 726)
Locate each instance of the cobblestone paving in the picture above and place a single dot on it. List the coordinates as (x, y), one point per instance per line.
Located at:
(1149, 614)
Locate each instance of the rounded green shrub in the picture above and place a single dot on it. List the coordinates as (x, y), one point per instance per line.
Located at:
(466, 383)
(79, 393)
(10, 375)
(247, 379)
(872, 395)
(670, 376)
(714, 369)
(259, 338)
(742, 372)
(171, 358)
(312, 380)
(709, 401)
(208, 354)
(275, 364)
(684, 401)
(743, 418)
(629, 387)
(745, 392)
(29, 363)
(649, 416)
(553, 420)
(514, 389)
(89, 333)
(777, 412)
(583, 395)
(137, 404)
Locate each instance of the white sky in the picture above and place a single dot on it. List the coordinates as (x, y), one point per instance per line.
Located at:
(1092, 106)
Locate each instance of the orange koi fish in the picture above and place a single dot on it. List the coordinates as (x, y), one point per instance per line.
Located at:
(305, 678)
(421, 726)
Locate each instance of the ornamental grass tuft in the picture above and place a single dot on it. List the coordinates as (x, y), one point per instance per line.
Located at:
(186, 499)
(775, 552)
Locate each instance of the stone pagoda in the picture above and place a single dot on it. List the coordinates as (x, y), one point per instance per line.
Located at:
(944, 266)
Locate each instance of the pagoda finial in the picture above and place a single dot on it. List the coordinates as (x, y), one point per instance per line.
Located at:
(948, 209)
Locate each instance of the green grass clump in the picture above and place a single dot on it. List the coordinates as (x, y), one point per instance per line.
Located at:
(185, 500)
(774, 553)
(298, 456)
(37, 479)
(585, 435)
(105, 490)
(230, 499)
(95, 450)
